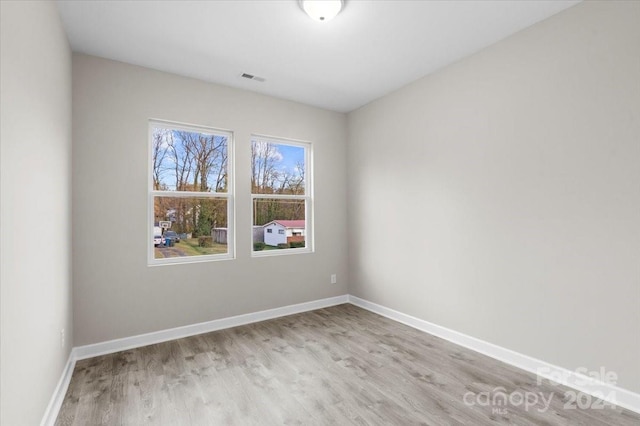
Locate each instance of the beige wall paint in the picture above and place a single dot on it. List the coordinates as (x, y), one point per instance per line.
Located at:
(506, 187)
(115, 293)
(35, 135)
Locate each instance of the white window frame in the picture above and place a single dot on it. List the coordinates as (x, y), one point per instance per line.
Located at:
(307, 197)
(229, 195)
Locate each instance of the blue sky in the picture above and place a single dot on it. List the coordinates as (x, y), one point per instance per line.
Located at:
(291, 155)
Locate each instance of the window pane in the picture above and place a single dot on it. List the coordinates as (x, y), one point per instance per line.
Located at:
(278, 224)
(189, 161)
(189, 226)
(277, 168)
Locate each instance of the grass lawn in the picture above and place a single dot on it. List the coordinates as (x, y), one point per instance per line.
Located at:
(189, 247)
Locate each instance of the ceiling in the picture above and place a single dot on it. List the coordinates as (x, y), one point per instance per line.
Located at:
(370, 49)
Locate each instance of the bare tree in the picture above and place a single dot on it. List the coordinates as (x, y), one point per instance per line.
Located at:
(159, 152)
(264, 172)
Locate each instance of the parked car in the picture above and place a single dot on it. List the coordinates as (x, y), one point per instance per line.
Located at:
(172, 235)
(158, 239)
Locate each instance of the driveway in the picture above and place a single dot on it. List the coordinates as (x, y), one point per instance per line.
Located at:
(171, 251)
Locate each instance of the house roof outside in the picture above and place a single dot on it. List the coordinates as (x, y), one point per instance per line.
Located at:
(288, 223)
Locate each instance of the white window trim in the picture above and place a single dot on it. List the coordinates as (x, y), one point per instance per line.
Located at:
(307, 197)
(229, 195)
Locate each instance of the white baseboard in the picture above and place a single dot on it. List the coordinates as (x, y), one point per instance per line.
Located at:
(51, 413)
(610, 393)
(117, 345)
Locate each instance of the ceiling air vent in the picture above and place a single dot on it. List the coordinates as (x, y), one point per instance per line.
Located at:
(251, 77)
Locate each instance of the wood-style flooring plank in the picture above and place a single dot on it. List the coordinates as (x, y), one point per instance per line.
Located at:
(337, 366)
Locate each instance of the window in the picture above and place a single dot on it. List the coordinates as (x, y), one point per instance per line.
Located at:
(190, 194)
(281, 193)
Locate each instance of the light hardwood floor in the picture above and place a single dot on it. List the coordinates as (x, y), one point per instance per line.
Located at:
(337, 366)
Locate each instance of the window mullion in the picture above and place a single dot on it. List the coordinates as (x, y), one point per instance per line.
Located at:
(190, 194)
(280, 196)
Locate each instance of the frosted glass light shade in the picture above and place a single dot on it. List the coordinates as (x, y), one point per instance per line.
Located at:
(321, 10)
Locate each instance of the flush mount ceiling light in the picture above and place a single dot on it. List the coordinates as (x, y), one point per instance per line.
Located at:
(321, 10)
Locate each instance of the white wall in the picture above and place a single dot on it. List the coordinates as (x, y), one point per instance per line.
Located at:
(115, 293)
(35, 117)
(511, 179)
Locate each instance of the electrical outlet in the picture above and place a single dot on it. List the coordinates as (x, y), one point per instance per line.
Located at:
(62, 338)
(334, 279)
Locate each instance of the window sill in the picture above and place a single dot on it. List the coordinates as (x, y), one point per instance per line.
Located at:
(280, 252)
(187, 260)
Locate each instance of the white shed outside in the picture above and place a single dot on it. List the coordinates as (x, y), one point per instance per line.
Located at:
(282, 231)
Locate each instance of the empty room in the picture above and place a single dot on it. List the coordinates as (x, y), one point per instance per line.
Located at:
(320, 212)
